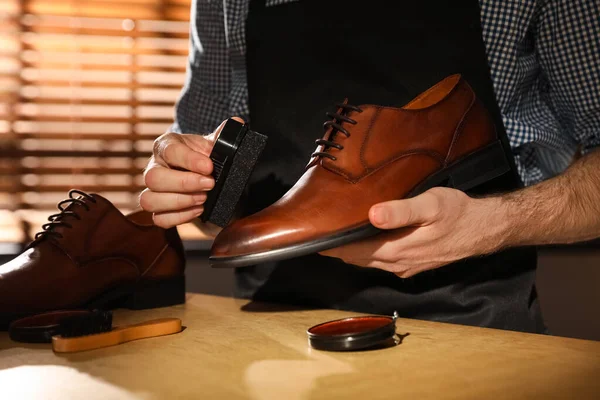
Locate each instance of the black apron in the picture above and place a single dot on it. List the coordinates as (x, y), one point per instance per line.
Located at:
(303, 57)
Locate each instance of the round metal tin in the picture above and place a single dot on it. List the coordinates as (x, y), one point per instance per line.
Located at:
(355, 333)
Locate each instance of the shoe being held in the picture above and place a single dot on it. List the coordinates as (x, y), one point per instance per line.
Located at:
(370, 154)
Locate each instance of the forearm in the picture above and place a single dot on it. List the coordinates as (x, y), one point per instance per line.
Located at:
(564, 209)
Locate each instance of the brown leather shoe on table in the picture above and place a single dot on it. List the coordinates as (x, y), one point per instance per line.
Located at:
(370, 154)
(92, 256)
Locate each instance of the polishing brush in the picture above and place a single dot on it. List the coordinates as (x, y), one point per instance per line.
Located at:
(234, 156)
(70, 331)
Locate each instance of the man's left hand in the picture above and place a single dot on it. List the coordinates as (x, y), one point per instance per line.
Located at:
(428, 231)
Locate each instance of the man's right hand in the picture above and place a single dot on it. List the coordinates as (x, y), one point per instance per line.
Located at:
(178, 176)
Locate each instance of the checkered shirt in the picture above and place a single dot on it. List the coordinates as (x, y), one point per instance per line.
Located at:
(544, 57)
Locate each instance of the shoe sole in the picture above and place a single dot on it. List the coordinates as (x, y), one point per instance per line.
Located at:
(471, 171)
(143, 295)
(140, 296)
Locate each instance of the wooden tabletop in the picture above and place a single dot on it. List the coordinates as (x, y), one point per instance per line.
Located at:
(235, 350)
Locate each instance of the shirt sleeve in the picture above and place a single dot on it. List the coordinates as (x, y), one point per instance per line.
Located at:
(568, 47)
(204, 100)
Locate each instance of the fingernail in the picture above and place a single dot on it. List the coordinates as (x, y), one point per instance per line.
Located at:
(380, 215)
(208, 183)
(199, 198)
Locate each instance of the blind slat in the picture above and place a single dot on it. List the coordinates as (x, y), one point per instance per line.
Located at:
(153, 3)
(73, 170)
(58, 118)
(107, 85)
(106, 10)
(102, 67)
(106, 51)
(105, 32)
(66, 188)
(100, 102)
(19, 153)
(85, 136)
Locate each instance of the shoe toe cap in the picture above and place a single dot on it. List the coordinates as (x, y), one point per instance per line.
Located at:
(256, 235)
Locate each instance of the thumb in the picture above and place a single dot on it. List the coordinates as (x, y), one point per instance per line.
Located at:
(213, 136)
(205, 143)
(419, 210)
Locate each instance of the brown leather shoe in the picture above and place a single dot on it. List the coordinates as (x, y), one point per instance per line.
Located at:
(91, 256)
(370, 154)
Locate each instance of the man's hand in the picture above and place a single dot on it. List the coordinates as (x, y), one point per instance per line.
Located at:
(445, 225)
(178, 176)
(427, 231)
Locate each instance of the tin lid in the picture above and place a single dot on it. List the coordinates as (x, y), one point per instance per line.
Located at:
(355, 333)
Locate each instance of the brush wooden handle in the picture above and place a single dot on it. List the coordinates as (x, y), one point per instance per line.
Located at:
(157, 327)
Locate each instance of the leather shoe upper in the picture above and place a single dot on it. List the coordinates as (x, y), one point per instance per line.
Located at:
(386, 154)
(86, 250)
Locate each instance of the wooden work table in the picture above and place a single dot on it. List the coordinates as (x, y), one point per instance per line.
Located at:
(232, 349)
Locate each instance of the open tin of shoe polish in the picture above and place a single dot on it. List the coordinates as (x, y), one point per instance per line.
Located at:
(354, 333)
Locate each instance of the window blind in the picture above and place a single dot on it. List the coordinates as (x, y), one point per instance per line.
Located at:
(85, 88)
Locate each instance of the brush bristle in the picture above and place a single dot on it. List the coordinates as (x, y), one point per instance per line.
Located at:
(244, 161)
(95, 322)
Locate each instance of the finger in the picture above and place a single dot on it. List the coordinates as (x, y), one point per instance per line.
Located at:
(162, 202)
(406, 272)
(385, 247)
(164, 180)
(394, 268)
(385, 266)
(202, 144)
(213, 136)
(361, 250)
(176, 154)
(171, 219)
(400, 270)
(419, 210)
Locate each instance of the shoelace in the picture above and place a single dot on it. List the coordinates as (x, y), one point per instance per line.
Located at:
(336, 123)
(59, 219)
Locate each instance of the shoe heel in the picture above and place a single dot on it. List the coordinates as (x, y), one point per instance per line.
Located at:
(479, 167)
(157, 293)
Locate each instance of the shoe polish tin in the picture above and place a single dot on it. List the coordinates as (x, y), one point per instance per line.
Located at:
(354, 333)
